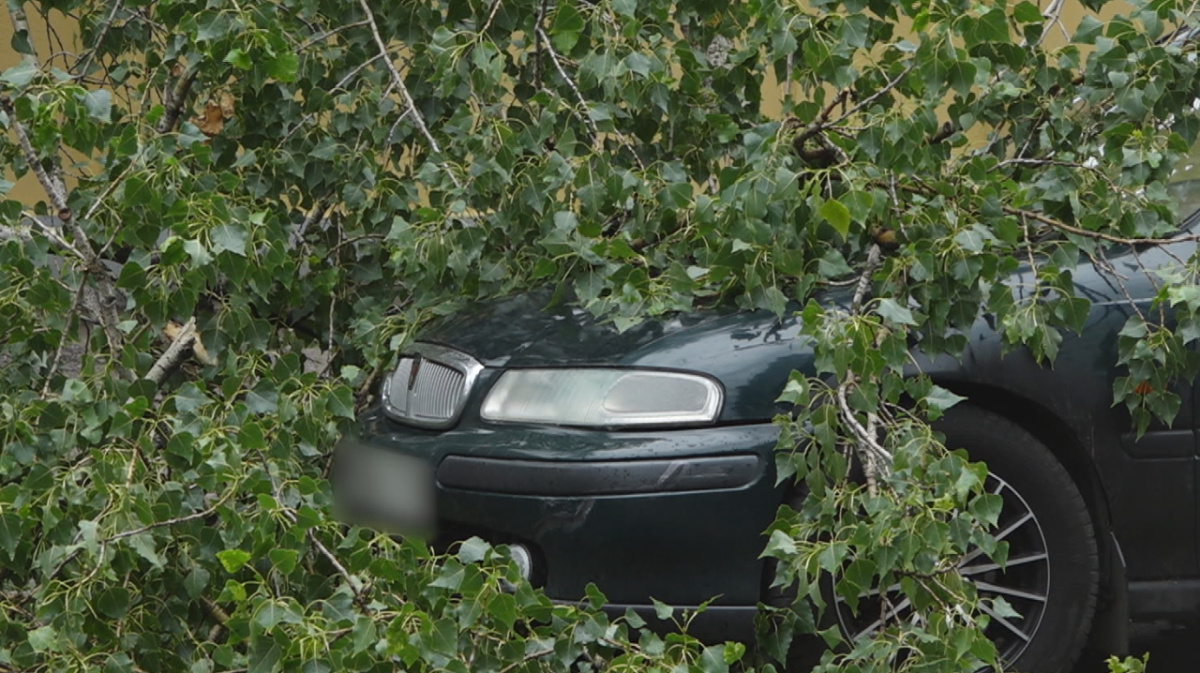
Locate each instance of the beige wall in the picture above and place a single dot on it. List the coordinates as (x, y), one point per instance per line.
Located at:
(28, 191)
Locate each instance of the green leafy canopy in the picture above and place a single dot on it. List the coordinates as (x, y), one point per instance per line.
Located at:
(288, 189)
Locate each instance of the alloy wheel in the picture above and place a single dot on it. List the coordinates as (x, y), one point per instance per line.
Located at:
(1023, 582)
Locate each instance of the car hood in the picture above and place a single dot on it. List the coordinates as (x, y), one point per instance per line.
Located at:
(751, 353)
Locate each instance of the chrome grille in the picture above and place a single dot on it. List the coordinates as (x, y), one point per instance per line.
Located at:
(429, 386)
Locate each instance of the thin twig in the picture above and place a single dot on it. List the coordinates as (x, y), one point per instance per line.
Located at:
(50, 233)
(537, 45)
(822, 122)
(81, 66)
(1111, 238)
(328, 34)
(136, 531)
(873, 97)
(167, 522)
(408, 99)
(1052, 17)
(537, 654)
(288, 514)
(357, 69)
(62, 341)
(315, 215)
(875, 458)
(108, 190)
(585, 115)
(54, 189)
(491, 15)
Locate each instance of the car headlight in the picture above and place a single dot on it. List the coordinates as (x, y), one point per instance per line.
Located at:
(602, 397)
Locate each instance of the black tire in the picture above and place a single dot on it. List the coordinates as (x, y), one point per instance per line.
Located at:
(1029, 476)
(1072, 570)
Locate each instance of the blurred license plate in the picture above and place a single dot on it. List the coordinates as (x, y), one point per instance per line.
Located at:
(384, 489)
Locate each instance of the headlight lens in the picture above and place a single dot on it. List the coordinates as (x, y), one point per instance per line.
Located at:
(602, 397)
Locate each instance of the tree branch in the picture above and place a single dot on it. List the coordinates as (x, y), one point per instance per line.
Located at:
(864, 281)
(175, 98)
(20, 24)
(823, 122)
(57, 193)
(175, 354)
(51, 184)
(1099, 235)
(876, 459)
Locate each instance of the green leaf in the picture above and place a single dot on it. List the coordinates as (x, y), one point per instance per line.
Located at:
(239, 59)
(341, 402)
(228, 237)
(987, 507)
(1027, 12)
(941, 399)
(894, 313)
(20, 75)
(662, 610)
(1088, 29)
(992, 26)
(596, 598)
(503, 608)
(195, 582)
(859, 204)
(10, 533)
(43, 639)
(114, 602)
(189, 398)
(99, 104)
(20, 43)
(780, 545)
(233, 559)
(284, 560)
(566, 28)
(473, 550)
(213, 25)
(283, 67)
(625, 7)
(1004, 609)
(837, 215)
(712, 660)
(639, 63)
(264, 657)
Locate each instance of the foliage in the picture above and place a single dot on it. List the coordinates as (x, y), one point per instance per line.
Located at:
(290, 188)
(1128, 664)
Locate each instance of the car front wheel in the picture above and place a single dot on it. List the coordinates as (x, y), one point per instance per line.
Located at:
(1052, 572)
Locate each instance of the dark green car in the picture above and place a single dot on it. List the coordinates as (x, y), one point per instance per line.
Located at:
(642, 461)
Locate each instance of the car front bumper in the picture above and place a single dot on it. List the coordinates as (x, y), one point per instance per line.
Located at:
(675, 515)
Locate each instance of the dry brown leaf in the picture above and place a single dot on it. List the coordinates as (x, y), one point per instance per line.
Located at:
(226, 103)
(211, 121)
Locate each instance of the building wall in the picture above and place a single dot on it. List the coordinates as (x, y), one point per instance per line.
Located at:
(60, 32)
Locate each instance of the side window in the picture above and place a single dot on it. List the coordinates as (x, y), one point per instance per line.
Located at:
(1185, 183)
